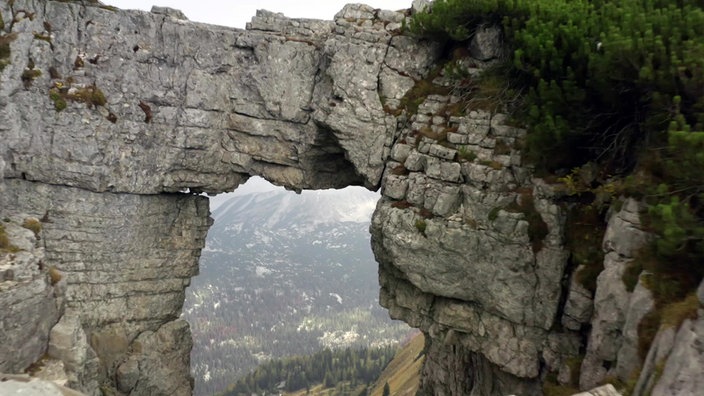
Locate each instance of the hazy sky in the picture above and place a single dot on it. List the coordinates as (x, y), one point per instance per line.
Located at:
(238, 12)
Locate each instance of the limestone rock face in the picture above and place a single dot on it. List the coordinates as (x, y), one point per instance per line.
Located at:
(614, 335)
(112, 121)
(31, 302)
(458, 255)
(294, 101)
(126, 115)
(69, 344)
(19, 385)
(158, 358)
(126, 260)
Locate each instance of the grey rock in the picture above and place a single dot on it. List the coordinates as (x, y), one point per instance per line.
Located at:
(613, 338)
(604, 390)
(19, 385)
(415, 161)
(448, 201)
(68, 343)
(393, 85)
(140, 250)
(456, 138)
(452, 369)
(127, 375)
(159, 362)
(169, 12)
(390, 16)
(420, 5)
(425, 53)
(628, 359)
(682, 373)
(625, 235)
(486, 43)
(658, 352)
(395, 187)
(442, 152)
(418, 183)
(356, 12)
(201, 108)
(447, 171)
(400, 152)
(31, 305)
(610, 309)
(579, 305)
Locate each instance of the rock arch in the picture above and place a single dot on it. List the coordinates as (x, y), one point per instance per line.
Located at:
(112, 121)
(127, 115)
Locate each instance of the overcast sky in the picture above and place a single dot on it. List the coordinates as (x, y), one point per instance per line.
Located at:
(238, 12)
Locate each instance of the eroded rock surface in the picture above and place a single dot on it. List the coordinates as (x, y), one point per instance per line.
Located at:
(30, 298)
(113, 119)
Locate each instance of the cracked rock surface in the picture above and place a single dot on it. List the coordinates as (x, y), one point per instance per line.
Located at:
(113, 120)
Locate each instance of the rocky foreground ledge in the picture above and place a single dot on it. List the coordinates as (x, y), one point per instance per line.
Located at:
(114, 120)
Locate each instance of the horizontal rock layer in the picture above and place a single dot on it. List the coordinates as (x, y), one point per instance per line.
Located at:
(113, 119)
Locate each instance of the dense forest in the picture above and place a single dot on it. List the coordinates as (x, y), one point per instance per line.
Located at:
(282, 275)
(351, 368)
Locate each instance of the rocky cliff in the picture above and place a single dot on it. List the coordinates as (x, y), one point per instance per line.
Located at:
(113, 121)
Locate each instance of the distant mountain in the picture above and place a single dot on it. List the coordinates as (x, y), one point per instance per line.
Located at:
(288, 214)
(281, 275)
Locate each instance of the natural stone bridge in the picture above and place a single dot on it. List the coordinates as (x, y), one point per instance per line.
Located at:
(112, 121)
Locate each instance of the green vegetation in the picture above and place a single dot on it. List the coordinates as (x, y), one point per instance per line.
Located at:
(464, 153)
(62, 93)
(403, 372)
(5, 50)
(351, 370)
(29, 75)
(598, 76)
(421, 90)
(421, 225)
(42, 37)
(617, 84)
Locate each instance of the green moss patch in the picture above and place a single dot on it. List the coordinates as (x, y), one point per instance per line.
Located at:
(62, 93)
(421, 226)
(5, 50)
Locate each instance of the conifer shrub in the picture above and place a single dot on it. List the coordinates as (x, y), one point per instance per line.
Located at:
(599, 77)
(621, 84)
